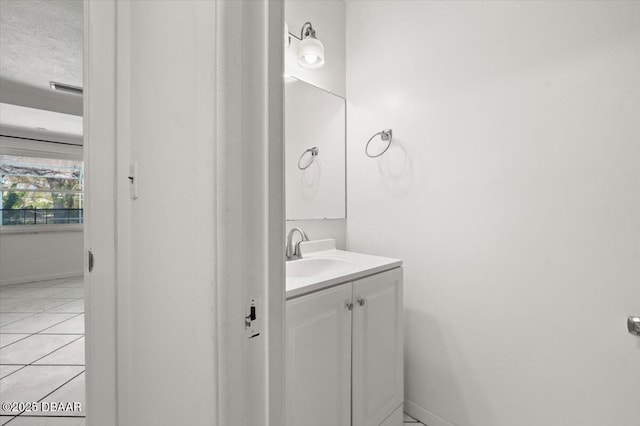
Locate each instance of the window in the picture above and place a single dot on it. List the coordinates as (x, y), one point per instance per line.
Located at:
(40, 191)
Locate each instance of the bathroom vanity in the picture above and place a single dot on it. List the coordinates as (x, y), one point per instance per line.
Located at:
(344, 338)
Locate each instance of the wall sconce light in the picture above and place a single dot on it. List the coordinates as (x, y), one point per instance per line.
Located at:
(310, 49)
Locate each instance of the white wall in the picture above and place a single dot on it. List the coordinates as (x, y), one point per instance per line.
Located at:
(328, 19)
(36, 256)
(511, 194)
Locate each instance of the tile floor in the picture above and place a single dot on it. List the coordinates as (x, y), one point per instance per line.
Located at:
(42, 350)
(408, 420)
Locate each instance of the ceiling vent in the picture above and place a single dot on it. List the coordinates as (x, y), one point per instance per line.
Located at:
(66, 88)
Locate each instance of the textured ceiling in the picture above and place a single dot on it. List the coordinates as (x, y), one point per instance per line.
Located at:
(41, 40)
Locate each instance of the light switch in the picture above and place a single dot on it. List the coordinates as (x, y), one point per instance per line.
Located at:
(133, 180)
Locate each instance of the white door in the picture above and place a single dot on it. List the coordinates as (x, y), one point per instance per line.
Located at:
(377, 347)
(318, 358)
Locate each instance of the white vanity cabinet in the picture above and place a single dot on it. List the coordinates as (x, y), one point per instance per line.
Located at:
(377, 348)
(318, 358)
(344, 354)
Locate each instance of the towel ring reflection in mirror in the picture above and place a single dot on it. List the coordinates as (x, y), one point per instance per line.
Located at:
(386, 136)
(314, 154)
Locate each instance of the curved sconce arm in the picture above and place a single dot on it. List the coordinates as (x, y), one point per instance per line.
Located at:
(306, 31)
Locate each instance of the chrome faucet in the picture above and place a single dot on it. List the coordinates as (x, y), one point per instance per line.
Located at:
(293, 252)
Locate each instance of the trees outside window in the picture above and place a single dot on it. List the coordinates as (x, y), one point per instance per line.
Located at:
(40, 190)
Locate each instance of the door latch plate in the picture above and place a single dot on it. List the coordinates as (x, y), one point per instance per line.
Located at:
(633, 323)
(90, 260)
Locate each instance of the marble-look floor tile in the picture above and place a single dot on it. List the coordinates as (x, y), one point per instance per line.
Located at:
(5, 419)
(72, 392)
(408, 420)
(11, 292)
(35, 284)
(74, 325)
(33, 348)
(48, 421)
(71, 354)
(31, 305)
(5, 370)
(6, 318)
(69, 293)
(7, 290)
(48, 293)
(34, 382)
(79, 283)
(35, 323)
(37, 307)
(7, 303)
(7, 339)
(76, 306)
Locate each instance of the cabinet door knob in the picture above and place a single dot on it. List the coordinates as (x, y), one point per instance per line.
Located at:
(349, 306)
(361, 302)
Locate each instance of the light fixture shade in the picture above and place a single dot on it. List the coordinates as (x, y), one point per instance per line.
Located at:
(310, 53)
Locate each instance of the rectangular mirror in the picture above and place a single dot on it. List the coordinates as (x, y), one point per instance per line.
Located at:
(314, 152)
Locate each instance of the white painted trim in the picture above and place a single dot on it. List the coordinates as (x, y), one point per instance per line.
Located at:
(46, 277)
(246, 370)
(123, 216)
(20, 144)
(424, 415)
(250, 187)
(57, 191)
(39, 229)
(99, 113)
(276, 321)
(39, 135)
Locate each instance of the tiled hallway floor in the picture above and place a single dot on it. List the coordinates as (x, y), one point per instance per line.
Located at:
(42, 351)
(408, 420)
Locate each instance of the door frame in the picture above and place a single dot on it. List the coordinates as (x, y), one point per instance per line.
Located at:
(99, 130)
(106, 215)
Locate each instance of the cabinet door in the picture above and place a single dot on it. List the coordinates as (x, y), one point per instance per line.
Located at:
(377, 347)
(318, 358)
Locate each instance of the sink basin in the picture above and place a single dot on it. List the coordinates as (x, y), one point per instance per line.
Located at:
(310, 267)
(323, 266)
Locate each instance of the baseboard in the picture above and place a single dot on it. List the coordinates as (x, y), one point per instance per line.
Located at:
(424, 415)
(48, 277)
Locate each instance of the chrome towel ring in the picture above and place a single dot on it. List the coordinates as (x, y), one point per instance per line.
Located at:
(314, 154)
(385, 135)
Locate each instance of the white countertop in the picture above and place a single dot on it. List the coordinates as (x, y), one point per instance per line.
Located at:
(359, 266)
